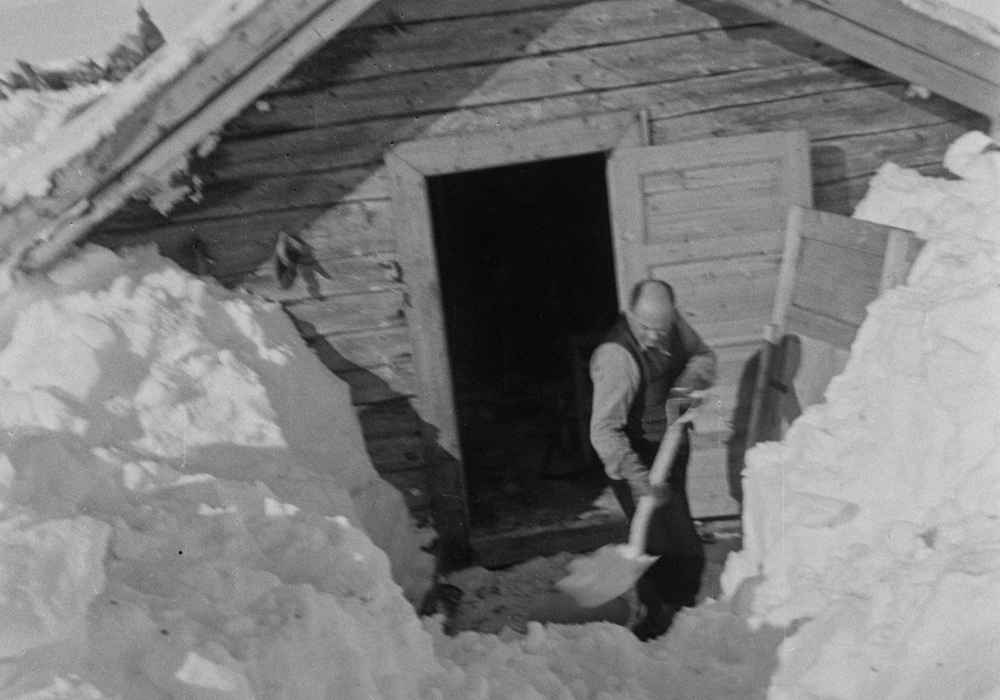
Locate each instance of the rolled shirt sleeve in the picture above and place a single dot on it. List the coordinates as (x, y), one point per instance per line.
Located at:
(616, 381)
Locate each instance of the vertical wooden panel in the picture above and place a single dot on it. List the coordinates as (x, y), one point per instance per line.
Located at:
(413, 227)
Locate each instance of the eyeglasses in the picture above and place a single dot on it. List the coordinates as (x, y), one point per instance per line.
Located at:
(645, 328)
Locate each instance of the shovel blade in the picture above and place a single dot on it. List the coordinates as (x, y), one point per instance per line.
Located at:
(603, 576)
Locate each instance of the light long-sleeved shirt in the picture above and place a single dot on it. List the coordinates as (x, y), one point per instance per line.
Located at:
(616, 377)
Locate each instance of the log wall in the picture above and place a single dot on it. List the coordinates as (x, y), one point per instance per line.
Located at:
(307, 157)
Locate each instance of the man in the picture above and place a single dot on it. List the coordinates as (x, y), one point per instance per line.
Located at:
(646, 368)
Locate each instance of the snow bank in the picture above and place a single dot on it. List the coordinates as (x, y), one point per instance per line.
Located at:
(141, 366)
(180, 482)
(875, 525)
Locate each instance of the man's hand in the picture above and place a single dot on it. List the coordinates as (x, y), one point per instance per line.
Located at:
(682, 400)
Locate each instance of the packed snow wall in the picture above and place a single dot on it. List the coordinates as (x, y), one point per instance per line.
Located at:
(136, 363)
(873, 528)
(181, 483)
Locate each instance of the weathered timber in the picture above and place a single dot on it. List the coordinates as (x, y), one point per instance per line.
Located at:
(519, 78)
(854, 155)
(364, 53)
(908, 43)
(396, 453)
(398, 14)
(702, 101)
(149, 136)
(841, 196)
(557, 139)
(245, 195)
(355, 193)
(348, 312)
(374, 385)
(345, 352)
(744, 81)
(414, 484)
(838, 113)
(363, 273)
(242, 242)
(389, 418)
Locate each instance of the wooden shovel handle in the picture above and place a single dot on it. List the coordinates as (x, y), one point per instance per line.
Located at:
(657, 477)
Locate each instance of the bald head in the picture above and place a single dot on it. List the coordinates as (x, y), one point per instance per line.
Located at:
(651, 311)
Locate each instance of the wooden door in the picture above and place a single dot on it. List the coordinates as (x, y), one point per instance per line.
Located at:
(708, 217)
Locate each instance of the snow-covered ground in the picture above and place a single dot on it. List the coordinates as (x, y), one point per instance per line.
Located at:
(186, 510)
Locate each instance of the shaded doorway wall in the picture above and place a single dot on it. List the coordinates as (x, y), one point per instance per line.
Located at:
(527, 274)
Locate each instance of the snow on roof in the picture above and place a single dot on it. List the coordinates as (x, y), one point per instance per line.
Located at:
(74, 124)
(980, 18)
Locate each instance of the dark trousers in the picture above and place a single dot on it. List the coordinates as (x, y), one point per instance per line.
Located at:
(674, 579)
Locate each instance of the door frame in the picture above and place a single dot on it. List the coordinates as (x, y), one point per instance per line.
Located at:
(409, 165)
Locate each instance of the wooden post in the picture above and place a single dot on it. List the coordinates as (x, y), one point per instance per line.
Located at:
(774, 331)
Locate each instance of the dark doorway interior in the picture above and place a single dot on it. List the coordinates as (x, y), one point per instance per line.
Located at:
(528, 285)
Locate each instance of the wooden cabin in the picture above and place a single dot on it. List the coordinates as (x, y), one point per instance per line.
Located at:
(473, 185)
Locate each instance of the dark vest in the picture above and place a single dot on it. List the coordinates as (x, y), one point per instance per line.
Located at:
(647, 416)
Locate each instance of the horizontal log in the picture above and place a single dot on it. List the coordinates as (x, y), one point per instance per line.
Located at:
(345, 313)
(398, 14)
(376, 385)
(346, 229)
(921, 64)
(389, 419)
(842, 196)
(363, 227)
(855, 111)
(395, 453)
(363, 349)
(364, 273)
(367, 53)
(519, 77)
(854, 155)
(833, 158)
(965, 50)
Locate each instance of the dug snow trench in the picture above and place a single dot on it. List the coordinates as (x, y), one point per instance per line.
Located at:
(186, 509)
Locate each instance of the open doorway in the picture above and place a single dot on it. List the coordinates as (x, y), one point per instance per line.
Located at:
(527, 278)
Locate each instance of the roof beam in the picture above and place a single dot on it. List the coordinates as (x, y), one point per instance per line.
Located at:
(150, 139)
(940, 57)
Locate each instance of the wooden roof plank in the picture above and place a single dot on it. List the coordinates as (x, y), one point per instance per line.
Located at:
(903, 49)
(216, 87)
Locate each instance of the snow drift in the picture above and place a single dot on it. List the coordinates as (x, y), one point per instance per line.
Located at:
(181, 485)
(183, 488)
(875, 524)
(159, 428)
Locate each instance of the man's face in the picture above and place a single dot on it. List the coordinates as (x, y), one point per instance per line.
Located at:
(650, 322)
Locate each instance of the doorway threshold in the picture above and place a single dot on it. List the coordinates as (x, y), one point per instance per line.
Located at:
(514, 525)
(497, 549)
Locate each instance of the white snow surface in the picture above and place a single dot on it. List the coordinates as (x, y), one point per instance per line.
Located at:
(185, 511)
(875, 523)
(980, 18)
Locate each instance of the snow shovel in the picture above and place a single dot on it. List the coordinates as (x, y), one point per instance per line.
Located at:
(613, 569)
